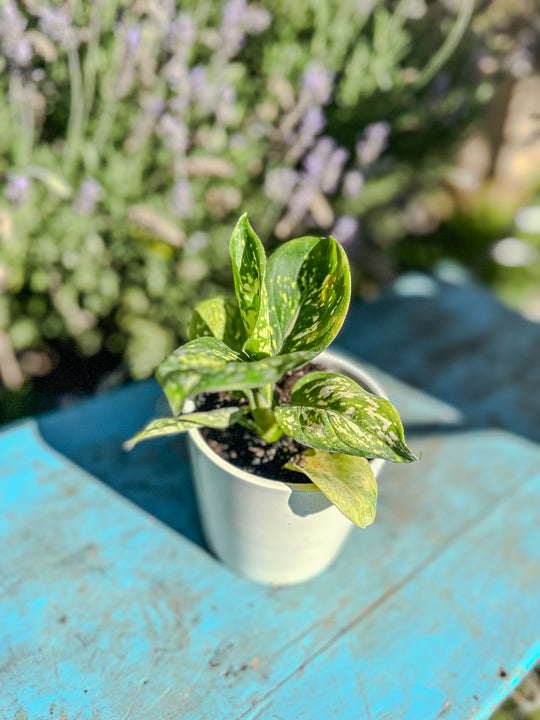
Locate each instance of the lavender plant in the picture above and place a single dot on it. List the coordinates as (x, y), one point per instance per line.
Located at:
(126, 128)
(286, 311)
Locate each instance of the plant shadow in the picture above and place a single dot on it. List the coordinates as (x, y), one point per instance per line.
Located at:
(155, 475)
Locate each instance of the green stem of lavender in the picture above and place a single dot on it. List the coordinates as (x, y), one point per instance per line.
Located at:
(23, 121)
(109, 109)
(453, 39)
(76, 112)
(90, 63)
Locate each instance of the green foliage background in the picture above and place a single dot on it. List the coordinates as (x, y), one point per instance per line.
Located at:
(136, 133)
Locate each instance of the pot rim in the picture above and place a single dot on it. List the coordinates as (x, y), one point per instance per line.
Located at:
(333, 357)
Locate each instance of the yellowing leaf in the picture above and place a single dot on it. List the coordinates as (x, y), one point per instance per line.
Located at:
(348, 482)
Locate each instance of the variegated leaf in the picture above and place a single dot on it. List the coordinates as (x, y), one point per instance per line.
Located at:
(206, 364)
(180, 373)
(347, 481)
(219, 418)
(332, 412)
(309, 287)
(249, 266)
(219, 318)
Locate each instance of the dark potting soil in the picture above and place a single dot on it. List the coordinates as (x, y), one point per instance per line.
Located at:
(245, 449)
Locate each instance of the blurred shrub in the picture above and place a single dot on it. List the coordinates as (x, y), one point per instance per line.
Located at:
(490, 199)
(135, 133)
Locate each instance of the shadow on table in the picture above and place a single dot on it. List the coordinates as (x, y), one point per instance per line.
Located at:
(457, 343)
(155, 475)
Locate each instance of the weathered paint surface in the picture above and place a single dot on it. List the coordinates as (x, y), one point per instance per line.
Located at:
(111, 607)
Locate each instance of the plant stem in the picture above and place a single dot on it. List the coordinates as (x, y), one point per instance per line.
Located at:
(260, 402)
(90, 62)
(453, 38)
(23, 119)
(108, 112)
(76, 112)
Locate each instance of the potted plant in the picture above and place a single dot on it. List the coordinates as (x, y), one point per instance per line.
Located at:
(324, 438)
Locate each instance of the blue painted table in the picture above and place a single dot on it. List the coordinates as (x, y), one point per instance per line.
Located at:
(111, 606)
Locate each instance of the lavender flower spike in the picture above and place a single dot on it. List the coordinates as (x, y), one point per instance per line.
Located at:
(17, 189)
(181, 199)
(318, 82)
(13, 41)
(57, 24)
(374, 142)
(89, 194)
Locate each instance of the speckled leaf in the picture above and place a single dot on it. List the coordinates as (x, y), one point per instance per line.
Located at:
(219, 318)
(332, 412)
(219, 418)
(309, 287)
(180, 373)
(206, 364)
(348, 482)
(249, 266)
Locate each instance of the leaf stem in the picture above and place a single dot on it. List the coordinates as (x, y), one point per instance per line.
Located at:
(264, 421)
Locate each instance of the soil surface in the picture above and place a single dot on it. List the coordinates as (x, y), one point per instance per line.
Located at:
(245, 449)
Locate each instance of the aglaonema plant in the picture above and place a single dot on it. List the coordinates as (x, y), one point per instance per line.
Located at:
(286, 311)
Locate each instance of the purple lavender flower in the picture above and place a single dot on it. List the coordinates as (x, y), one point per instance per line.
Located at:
(317, 82)
(312, 124)
(232, 30)
(373, 143)
(324, 164)
(239, 19)
(22, 52)
(196, 242)
(334, 170)
(279, 184)
(133, 38)
(226, 103)
(175, 133)
(314, 166)
(13, 41)
(182, 199)
(345, 229)
(17, 189)
(202, 91)
(56, 23)
(300, 200)
(88, 196)
(256, 20)
(177, 74)
(182, 34)
(353, 184)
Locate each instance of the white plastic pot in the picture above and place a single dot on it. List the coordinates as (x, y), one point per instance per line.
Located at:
(264, 529)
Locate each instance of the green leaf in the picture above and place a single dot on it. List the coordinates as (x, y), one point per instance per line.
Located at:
(181, 372)
(249, 265)
(219, 418)
(348, 482)
(332, 412)
(206, 364)
(309, 288)
(219, 318)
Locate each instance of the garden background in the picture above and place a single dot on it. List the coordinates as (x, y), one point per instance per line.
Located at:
(133, 135)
